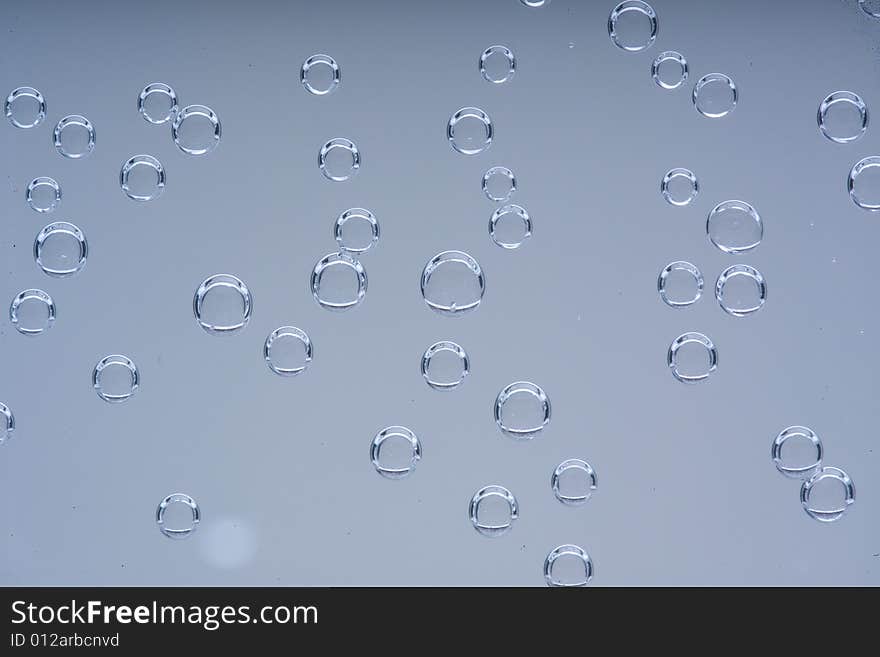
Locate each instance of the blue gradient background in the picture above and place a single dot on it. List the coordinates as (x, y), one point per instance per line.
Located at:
(687, 491)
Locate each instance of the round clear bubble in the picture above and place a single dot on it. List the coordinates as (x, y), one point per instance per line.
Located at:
(222, 304)
(356, 230)
(522, 410)
(568, 565)
(574, 481)
(320, 75)
(870, 7)
(338, 282)
(8, 423)
(395, 451)
(470, 131)
(669, 70)
(863, 183)
(692, 357)
(734, 227)
(632, 25)
(680, 284)
(828, 494)
(510, 226)
(497, 64)
(453, 283)
(493, 510)
(741, 290)
(445, 365)
(61, 249)
(32, 312)
(499, 184)
(797, 452)
(288, 351)
(74, 136)
(25, 107)
(116, 378)
(339, 159)
(196, 130)
(43, 194)
(157, 103)
(715, 95)
(679, 187)
(178, 515)
(142, 178)
(843, 117)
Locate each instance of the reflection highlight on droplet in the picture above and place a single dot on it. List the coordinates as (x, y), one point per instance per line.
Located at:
(828, 494)
(692, 357)
(843, 117)
(222, 304)
(453, 283)
(395, 451)
(142, 178)
(734, 227)
(116, 378)
(74, 137)
(25, 107)
(797, 452)
(288, 351)
(522, 410)
(7, 423)
(493, 510)
(61, 249)
(32, 312)
(470, 131)
(187, 525)
(567, 566)
(680, 284)
(741, 290)
(338, 282)
(633, 25)
(574, 481)
(445, 365)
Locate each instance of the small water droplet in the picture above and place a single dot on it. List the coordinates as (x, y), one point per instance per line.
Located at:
(828, 494)
(142, 178)
(157, 103)
(679, 187)
(356, 230)
(692, 357)
(196, 130)
(574, 481)
(497, 64)
(510, 226)
(715, 95)
(339, 159)
(863, 183)
(187, 525)
(61, 249)
(8, 423)
(522, 410)
(453, 283)
(116, 378)
(25, 107)
(222, 304)
(320, 75)
(32, 312)
(568, 565)
(633, 25)
(797, 452)
(680, 284)
(741, 290)
(395, 452)
(74, 137)
(499, 184)
(493, 510)
(445, 365)
(288, 351)
(843, 117)
(338, 282)
(669, 70)
(470, 131)
(43, 194)
(734, 227)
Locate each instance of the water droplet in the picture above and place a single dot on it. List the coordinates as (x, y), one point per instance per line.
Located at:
(43, 194)
(870, 7)
(288, 351)
(679, 187)
(680, 284)
(157, 103)
(395, 451)
(497, 64)
(797, 452)
(828, 494)
(669, 70)
(61, 249)
(25, 107)
(522, 410)
(632, 25)
(356, 230)
(493, 510)
(715, 95)
(470, 131)
(74, 136)
(187, 525)
(741, 290)
(453, 283)
(222, 304)
(339, 159)
(320, 75)
(510, 226)
(692, 357)
(32, 312)
(499, 184)
(445, 365)
(535, 3)
(196, 130)
(574, 481)
(8, 426)
(734, 227)
(116, 378)
(843, 117)
(142, 178)
(863, 183)
(568, 565)
(338, 282)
